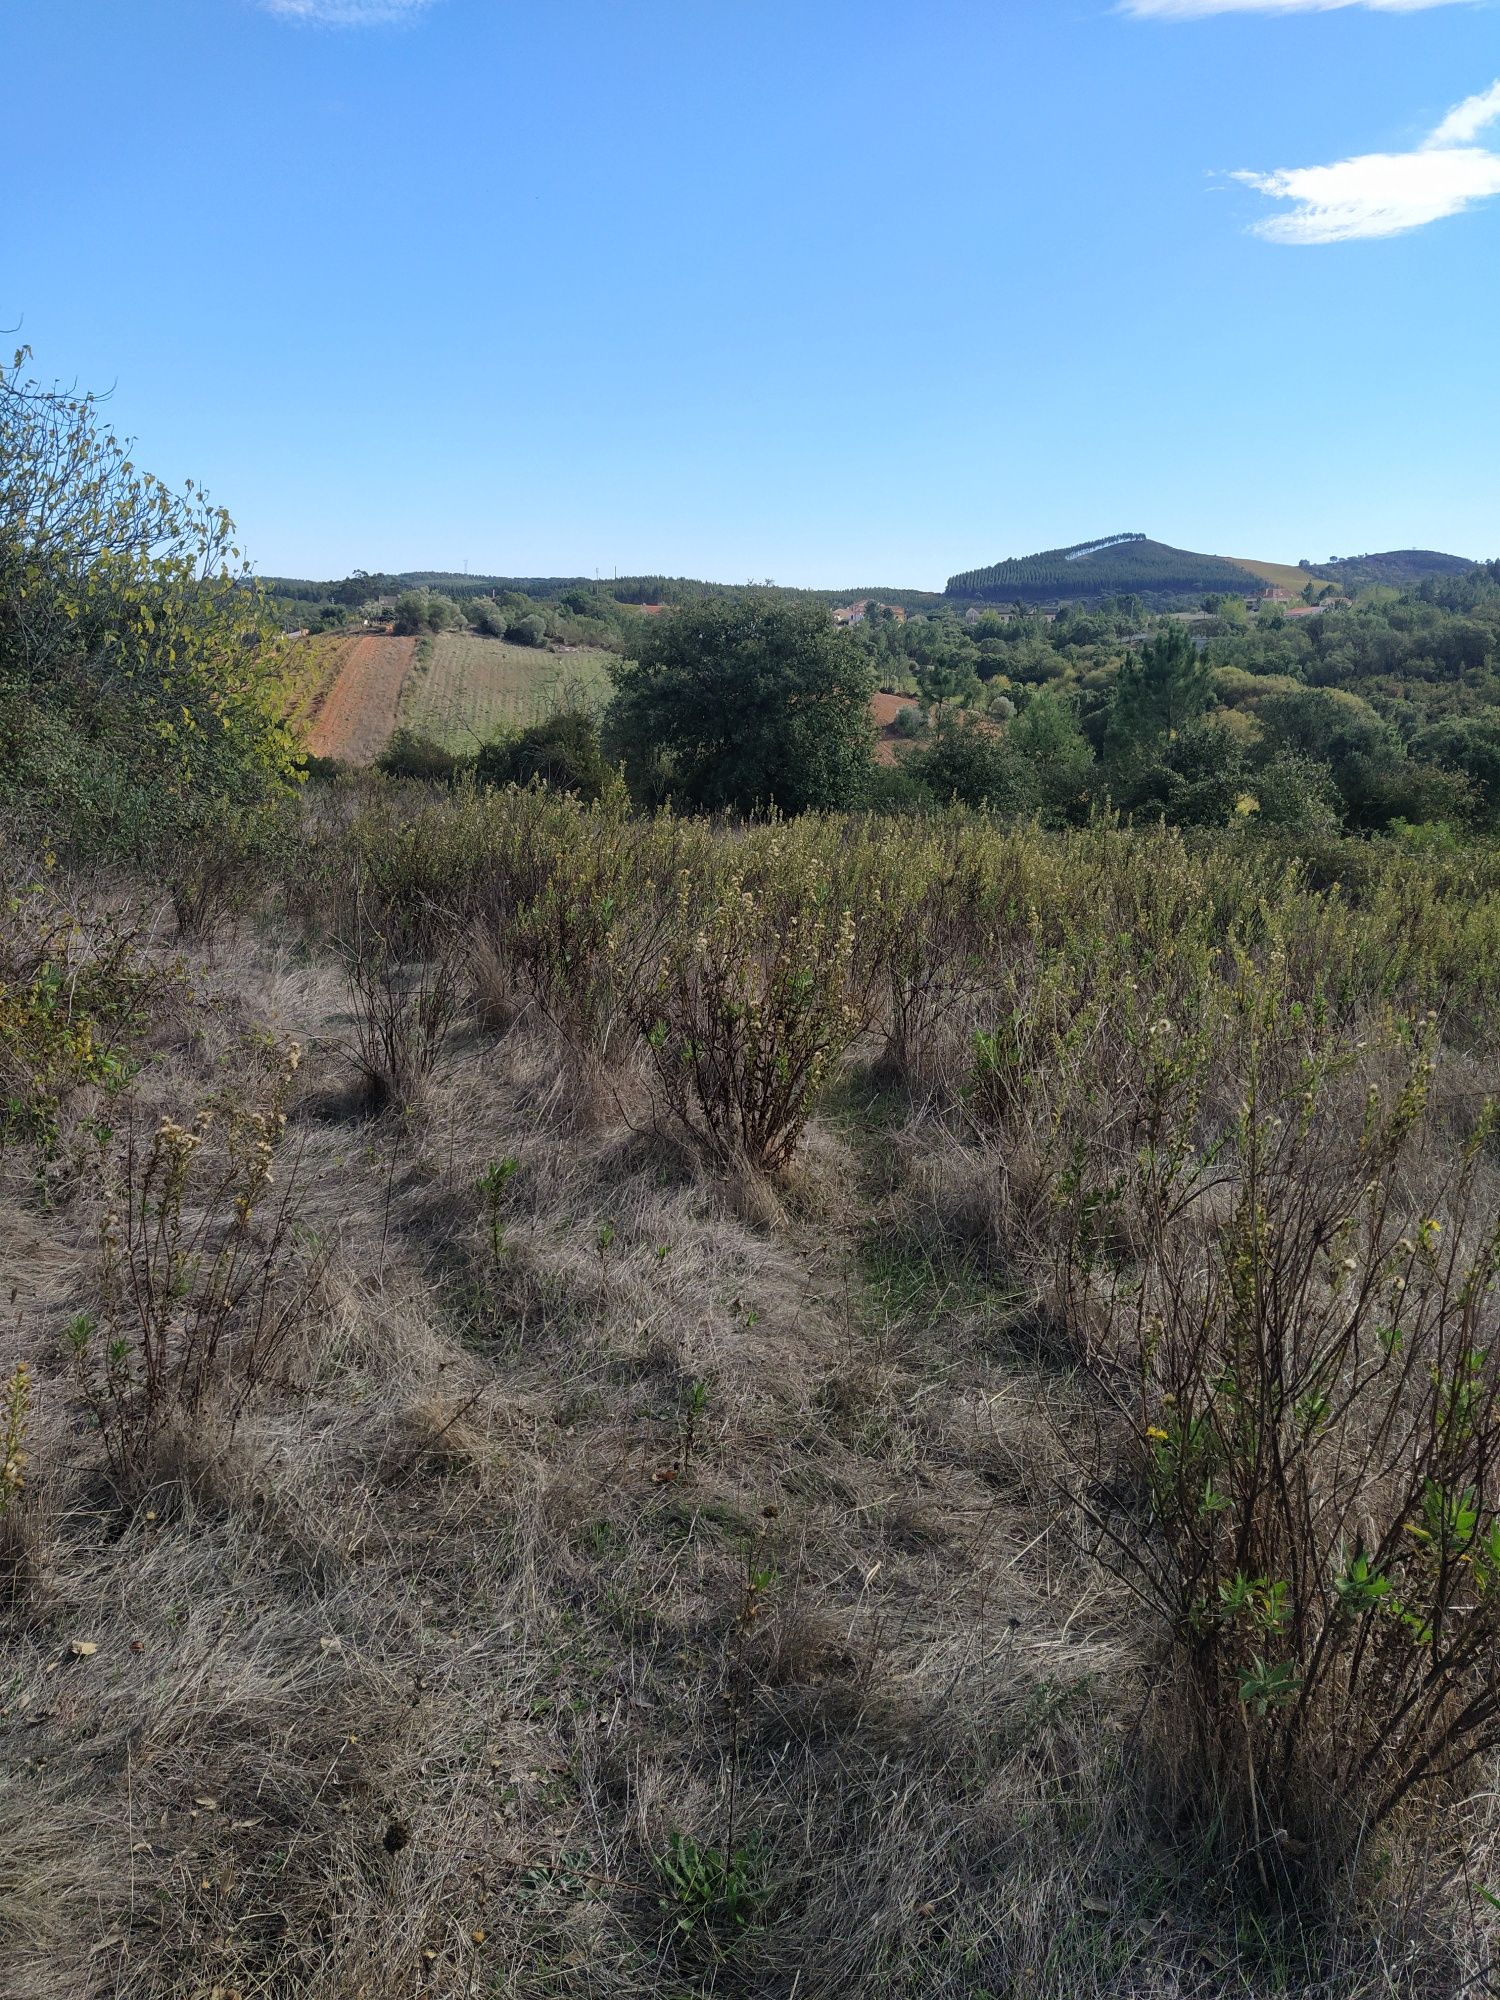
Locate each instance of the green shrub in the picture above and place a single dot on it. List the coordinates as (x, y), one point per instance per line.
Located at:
(410, 755)
(410, 614)
(1296, 794)
(72, 986)
(750, 1008)
(971, 763)
(142, 672)
(402, 958)
(1316, 1450)
(487, 617)
(575, 904)
(562, 753)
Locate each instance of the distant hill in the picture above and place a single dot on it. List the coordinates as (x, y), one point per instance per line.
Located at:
(452, 583)
(1165, 578)
(1113, 566)
(1398, 567)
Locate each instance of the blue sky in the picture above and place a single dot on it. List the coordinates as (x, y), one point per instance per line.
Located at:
(830, 291)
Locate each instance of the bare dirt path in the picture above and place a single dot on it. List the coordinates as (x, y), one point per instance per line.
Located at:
(357, 720)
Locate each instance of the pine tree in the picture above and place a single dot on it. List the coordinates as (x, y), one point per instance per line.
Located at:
(1158, 692)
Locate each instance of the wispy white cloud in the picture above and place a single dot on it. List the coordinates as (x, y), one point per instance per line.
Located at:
(1385, 194)
(1375, 194)
(1198, 10)
(347, 13)
(1466, 121)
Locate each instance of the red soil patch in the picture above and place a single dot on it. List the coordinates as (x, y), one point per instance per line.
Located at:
(359, 716)
(884, 708)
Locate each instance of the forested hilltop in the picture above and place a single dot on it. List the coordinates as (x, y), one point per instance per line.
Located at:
(1166, 577)
(1400, 567)
(1106, 567)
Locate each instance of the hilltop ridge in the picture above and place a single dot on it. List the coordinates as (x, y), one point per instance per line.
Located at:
(1126, 563)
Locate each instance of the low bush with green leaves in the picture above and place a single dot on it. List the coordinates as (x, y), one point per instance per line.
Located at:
(72, 988)
(711, 1898)
(750, 1008)
(1307, 1355)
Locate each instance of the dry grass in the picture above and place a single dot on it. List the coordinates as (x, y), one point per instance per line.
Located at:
(646, 1517)
(1287, 575)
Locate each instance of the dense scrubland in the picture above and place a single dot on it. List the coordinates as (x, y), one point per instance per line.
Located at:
(606, 1396)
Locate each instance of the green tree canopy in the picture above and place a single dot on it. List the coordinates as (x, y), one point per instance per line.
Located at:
(1197, 779)
(141, 670)
(1296, 794)
(1328, 723)
(1471, 745)
(1046, 736)
(530, 630)
(411, 613)
(744, 703)
(972, 762)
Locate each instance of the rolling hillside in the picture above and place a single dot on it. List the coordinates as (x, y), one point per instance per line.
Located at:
(357, 716)
(1287, 576)
(314, 664)
(349, 692)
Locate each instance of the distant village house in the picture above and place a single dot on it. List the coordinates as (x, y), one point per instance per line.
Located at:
(855, 614)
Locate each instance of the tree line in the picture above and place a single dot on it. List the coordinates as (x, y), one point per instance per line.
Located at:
(143, 684)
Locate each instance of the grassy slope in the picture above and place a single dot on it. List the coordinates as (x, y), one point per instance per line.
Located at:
(471, 687)
(1288, 575)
